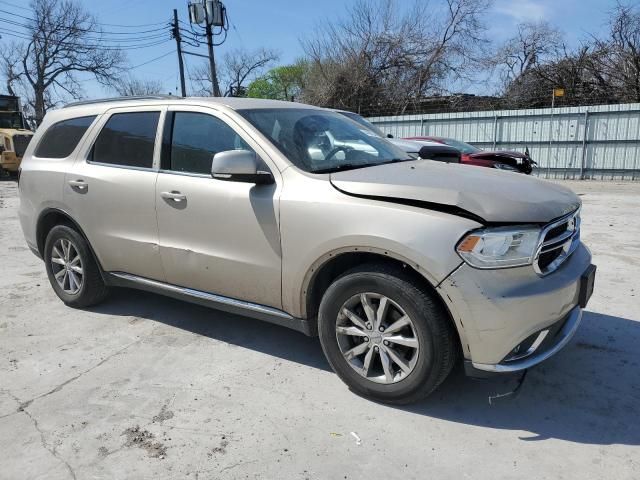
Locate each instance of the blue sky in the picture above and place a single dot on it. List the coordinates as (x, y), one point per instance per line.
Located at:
(279, 24)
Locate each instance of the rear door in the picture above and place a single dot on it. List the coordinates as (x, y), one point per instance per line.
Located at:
(111, 191)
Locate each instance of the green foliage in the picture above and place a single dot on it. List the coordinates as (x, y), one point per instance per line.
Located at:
(281, 83)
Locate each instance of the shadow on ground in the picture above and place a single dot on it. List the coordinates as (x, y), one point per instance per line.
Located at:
(234, 329)
(588, 393)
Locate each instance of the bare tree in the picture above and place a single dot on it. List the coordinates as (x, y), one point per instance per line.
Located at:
(239, 67)
(601, 70)
(64, 40)
(534, 43)
(131, 86)
(619, 59)
(380, 55)
(10, 68)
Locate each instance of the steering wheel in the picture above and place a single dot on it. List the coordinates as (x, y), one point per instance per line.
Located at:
(335, 150)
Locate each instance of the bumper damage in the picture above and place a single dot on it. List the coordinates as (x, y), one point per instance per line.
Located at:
(512, 319)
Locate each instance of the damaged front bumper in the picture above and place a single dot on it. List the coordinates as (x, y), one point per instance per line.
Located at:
(543, 347)
(512, 319)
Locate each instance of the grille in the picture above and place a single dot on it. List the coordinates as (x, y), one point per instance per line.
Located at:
(20, 143)
(548, 258)
(559, 240)
(556, 231)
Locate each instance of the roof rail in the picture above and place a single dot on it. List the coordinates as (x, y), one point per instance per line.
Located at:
(122, 99)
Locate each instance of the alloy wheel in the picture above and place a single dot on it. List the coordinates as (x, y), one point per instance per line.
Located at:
(377, 338)
(66, 266)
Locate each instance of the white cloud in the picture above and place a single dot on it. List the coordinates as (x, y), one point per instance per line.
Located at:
(522, 10)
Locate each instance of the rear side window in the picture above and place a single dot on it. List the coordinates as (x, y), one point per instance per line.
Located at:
(62, 138)
(127, 139)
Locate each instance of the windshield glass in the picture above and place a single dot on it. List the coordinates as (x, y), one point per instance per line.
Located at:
(462, 146)
(320, 141)
(357, 118)
(10, 120)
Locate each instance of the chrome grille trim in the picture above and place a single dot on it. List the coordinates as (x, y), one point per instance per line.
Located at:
(567, 242)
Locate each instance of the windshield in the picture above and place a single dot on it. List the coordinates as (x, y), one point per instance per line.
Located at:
(11, 120)
(357, 118)
(320, 141)
(462, 146)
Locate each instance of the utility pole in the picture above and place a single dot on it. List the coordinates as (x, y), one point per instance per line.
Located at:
(211, 13)
(212, 60)
(176, 35)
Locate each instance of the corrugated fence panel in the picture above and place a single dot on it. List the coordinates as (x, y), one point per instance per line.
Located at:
(591, 142)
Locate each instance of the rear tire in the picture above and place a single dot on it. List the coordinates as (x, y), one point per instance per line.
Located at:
(72, 269)
(421, 349)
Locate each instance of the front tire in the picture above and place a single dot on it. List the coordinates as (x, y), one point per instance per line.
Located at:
(386, 338)
(72, 269)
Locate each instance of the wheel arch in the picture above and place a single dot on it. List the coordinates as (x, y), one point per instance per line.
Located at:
(52, 217)
(332, 265)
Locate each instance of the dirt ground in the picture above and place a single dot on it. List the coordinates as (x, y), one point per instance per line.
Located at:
(149, 387)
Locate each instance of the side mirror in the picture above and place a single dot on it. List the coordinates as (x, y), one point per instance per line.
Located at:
(239, 166)
(389, 135)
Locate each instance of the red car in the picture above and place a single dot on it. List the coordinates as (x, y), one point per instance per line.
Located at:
(502, 159)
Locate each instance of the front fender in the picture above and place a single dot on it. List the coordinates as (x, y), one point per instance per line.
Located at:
(317, 222)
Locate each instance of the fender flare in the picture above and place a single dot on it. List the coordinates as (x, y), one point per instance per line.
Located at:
(75, 224)
(316, 266)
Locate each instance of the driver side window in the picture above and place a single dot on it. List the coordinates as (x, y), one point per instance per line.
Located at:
(194, 139)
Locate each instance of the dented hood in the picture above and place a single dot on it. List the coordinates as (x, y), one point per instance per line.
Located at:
(492, 195)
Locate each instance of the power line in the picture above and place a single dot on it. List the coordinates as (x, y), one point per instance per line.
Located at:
(15, 6)
(152, 60)
(88, 30)
(24, 36)
(30, 29)
(97, 23)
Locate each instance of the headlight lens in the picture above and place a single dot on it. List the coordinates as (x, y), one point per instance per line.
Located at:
(499, 247)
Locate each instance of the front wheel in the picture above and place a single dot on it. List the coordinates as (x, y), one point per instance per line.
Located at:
(385, 337)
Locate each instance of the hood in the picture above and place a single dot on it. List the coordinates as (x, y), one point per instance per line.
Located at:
(485, 194)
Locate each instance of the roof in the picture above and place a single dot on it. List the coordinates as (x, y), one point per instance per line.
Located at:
(230, 102)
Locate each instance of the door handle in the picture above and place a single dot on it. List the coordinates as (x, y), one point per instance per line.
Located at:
(173, 195)
(79, 184)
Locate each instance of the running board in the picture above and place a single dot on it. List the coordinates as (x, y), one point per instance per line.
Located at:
(219, 302)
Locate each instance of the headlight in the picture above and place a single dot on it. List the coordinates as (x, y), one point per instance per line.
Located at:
(499, 247)
(505, 166)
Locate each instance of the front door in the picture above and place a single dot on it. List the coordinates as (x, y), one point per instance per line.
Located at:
(215, 236)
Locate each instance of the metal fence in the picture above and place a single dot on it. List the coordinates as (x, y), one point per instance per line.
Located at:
(591, 142)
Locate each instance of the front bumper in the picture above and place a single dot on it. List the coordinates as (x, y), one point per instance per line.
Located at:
(496, 311)
(537, 355)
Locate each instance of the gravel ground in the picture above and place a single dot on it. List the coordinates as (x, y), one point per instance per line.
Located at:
(149, 387)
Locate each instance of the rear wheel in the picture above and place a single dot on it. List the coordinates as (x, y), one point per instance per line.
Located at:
(71, 268)
(385, 337)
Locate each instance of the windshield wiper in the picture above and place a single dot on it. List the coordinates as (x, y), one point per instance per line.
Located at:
(353, 166)
(396, 160)
(344, 166)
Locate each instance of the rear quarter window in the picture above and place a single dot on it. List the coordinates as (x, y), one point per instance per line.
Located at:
(62, 137)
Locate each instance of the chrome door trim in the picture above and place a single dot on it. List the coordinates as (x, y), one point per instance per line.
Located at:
(219, 302)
